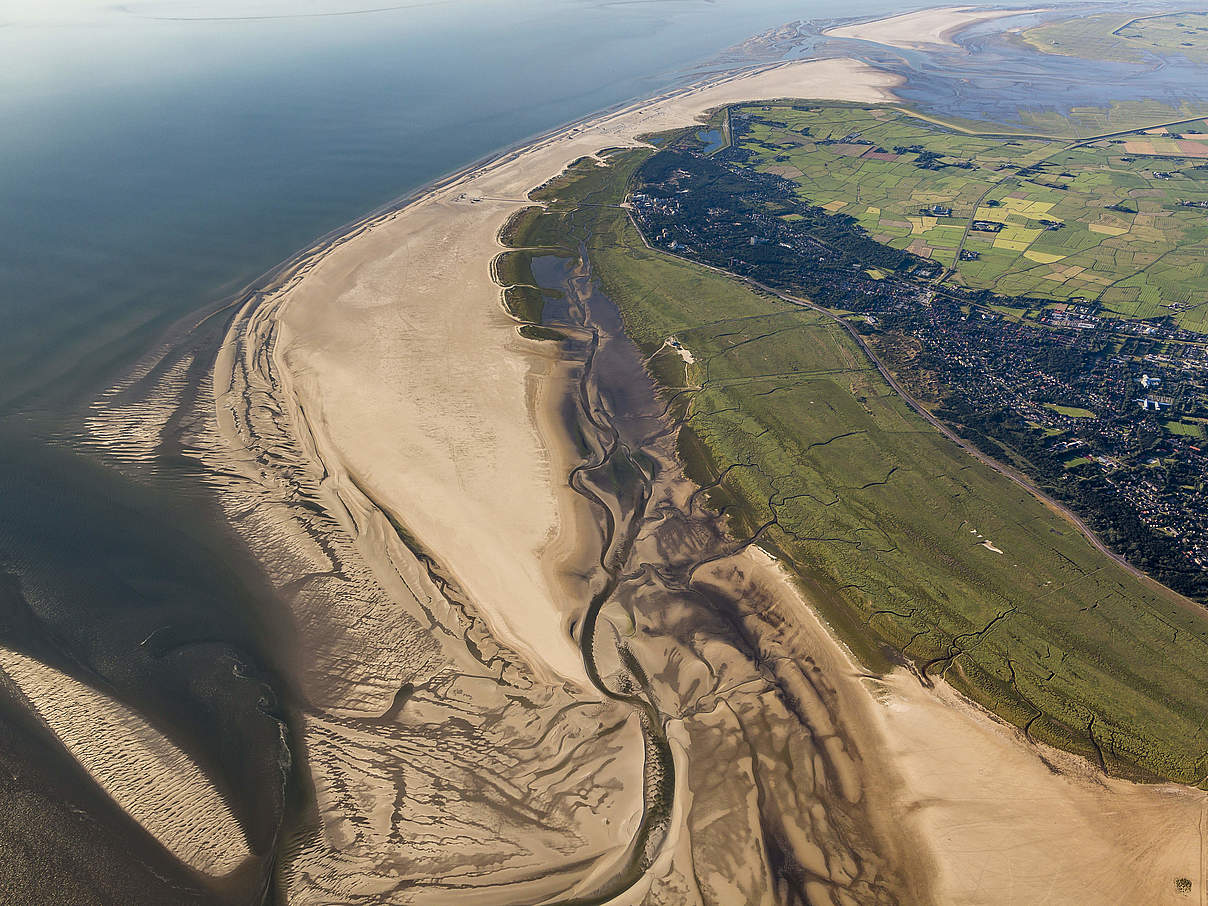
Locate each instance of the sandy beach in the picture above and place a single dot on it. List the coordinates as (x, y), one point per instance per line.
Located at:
(391, 448)
(383, 383)
(929, 28)
(1005, 820)
(1009, 821)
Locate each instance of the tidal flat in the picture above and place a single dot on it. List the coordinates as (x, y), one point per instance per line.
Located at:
(415, 561)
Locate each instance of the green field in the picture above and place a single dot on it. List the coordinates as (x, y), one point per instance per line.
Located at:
(1122, 235)
(905, 543)
(1186, 428)
(1070, 411)
(1114, 36)
(1081, 122)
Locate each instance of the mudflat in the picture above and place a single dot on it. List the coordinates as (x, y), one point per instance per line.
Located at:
(403, 359)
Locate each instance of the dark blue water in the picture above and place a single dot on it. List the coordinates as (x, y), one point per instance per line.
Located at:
(712, 138)
(148, 166)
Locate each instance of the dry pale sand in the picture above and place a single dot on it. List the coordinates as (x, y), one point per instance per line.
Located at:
(404, 361)
(1005, 822)
(1009, 822)
(923, 29)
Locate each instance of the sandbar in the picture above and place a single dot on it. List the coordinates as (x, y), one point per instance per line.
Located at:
(400, 354)
(927, 28)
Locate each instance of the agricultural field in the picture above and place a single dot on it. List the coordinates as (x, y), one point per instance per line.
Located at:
(905, 543)
(1113, 36)
(1121, 221)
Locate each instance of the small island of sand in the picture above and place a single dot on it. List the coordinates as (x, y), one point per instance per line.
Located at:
(923, 29)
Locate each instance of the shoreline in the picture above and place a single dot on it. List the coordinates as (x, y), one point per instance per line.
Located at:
(451, 192)
(413, 432)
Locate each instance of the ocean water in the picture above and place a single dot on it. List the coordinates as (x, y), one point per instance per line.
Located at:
(157, 155)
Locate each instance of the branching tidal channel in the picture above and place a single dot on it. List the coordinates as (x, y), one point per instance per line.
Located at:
(678, 629)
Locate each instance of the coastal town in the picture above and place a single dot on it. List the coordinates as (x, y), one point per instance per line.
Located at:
(1105, 414)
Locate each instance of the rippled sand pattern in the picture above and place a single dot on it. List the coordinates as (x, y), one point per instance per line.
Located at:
(153, 781)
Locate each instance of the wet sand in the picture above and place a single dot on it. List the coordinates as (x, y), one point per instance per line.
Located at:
(415, 374)
(929, 28)
(152, 780)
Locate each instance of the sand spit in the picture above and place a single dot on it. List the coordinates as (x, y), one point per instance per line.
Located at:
(929, 28)
(152, 780)
(390, 448)
(416, 377)
(440, 761)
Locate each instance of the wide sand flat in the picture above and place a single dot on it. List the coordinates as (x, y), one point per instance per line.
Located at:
(996, 820)
(402, 358)
(149, 777)
(1014, 823)
(392, 451)
(927, 28)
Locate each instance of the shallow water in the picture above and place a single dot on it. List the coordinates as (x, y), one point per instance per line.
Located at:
(148, 166)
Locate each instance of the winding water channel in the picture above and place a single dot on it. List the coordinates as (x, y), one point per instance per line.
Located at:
(683, 630)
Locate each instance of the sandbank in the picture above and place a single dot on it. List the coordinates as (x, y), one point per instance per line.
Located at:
(923, 29)
(398, 350)
(149, 777)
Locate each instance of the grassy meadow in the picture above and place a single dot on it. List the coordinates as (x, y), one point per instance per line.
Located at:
(1113, 36)
(1111, 220)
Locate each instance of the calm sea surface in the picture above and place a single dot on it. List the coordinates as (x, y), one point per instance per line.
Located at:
(156, 156)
